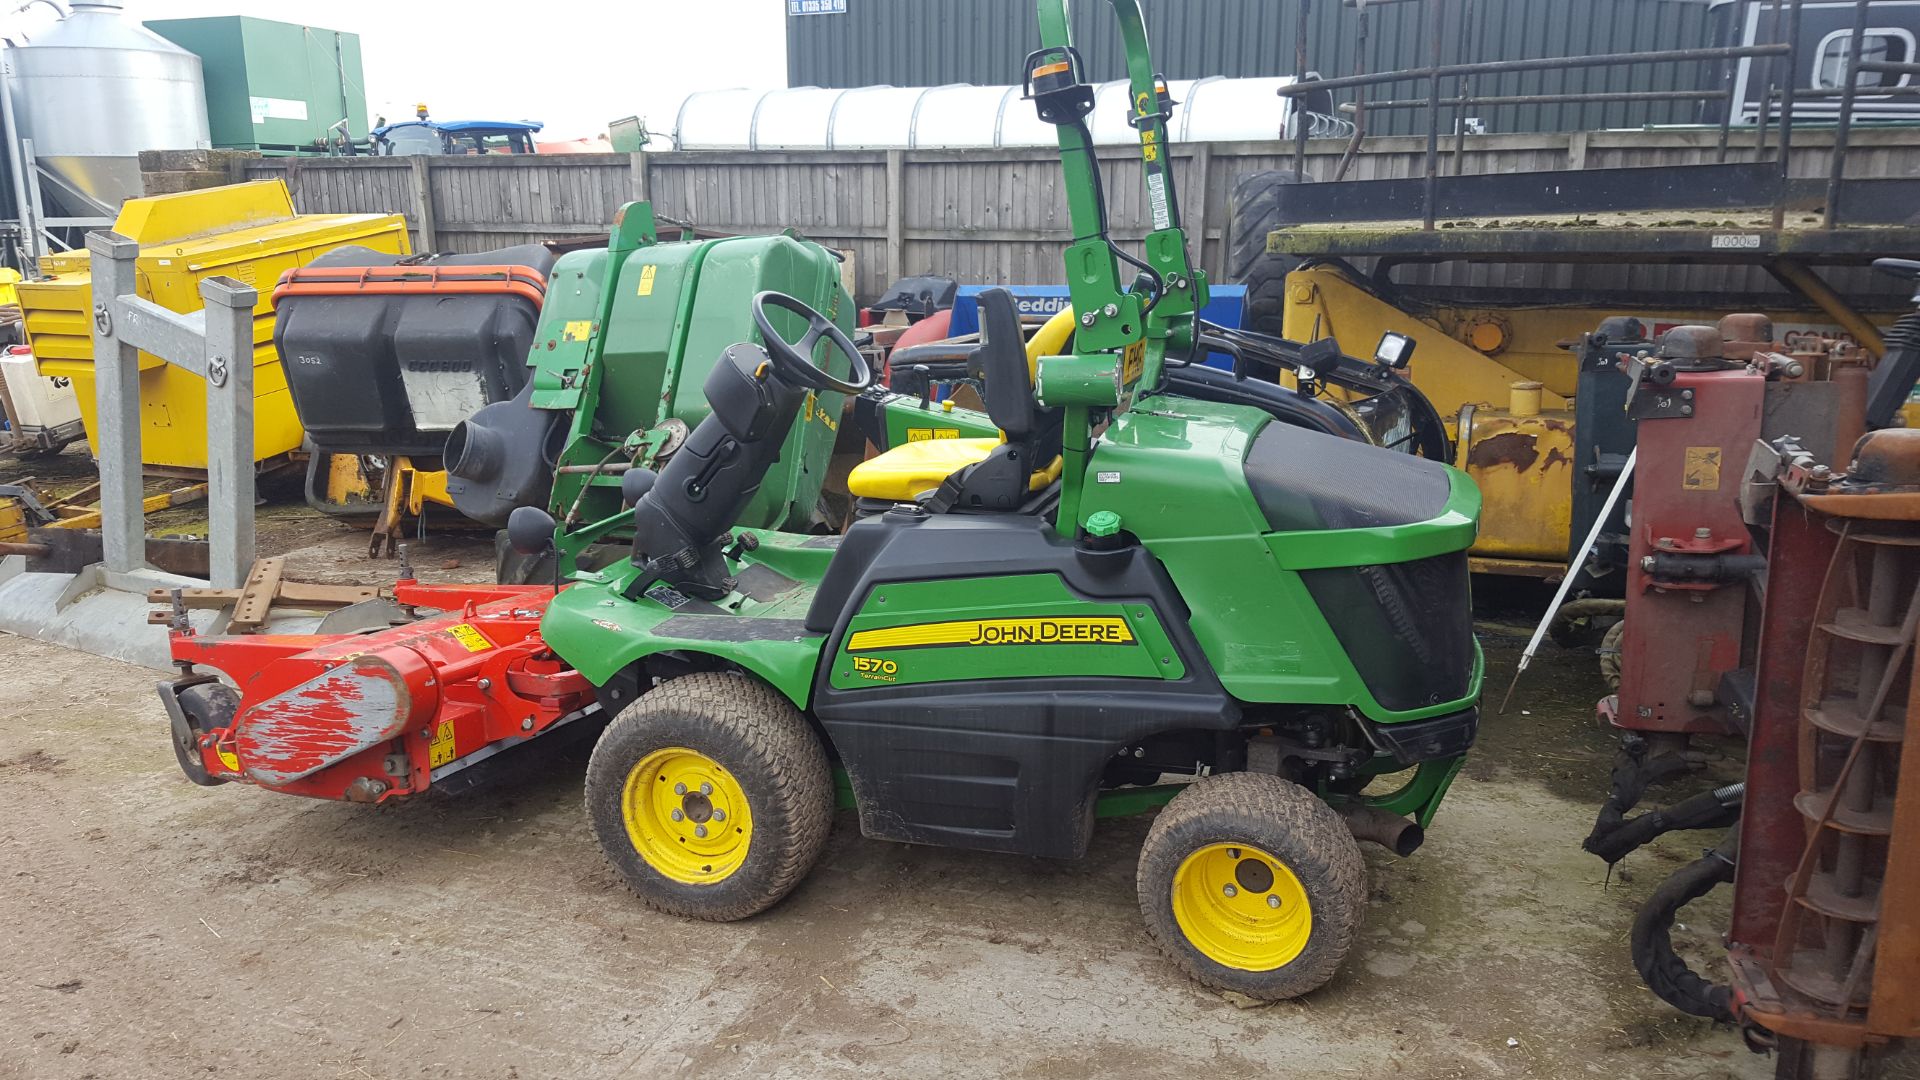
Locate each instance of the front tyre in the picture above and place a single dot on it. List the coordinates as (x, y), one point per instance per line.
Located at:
(204, 707)
(711, 796)
(1251, 883)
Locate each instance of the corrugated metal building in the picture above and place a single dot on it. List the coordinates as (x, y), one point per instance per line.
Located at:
(935, 42)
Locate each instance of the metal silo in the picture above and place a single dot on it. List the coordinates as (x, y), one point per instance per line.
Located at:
(92, 91)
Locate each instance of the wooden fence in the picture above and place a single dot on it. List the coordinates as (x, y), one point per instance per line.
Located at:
(976, 215)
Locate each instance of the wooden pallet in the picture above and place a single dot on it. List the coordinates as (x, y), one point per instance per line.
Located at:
(253, 602)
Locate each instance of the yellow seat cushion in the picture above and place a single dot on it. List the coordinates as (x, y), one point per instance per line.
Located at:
(905, 472)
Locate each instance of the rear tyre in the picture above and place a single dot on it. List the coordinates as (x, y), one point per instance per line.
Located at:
(711, 796)
(1252, 884)
(1255, 212)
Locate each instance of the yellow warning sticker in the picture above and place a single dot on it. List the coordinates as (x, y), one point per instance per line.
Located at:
(1133, 362)
(815, 412)
(440, 749)
(466, 635)
(921, 434)
(1702, 469)
(1101, 630)
(577, 330)
(646, 280)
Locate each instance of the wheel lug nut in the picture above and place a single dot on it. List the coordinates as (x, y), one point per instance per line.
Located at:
(679, 789)
(706, 789)
(719, 815)
(1231, 891)
(1273, 901)
(677, 815)
(699, 830)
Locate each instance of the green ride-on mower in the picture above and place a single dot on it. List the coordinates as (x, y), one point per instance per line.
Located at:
(1126, 599)
(1125, 588)
(1276, 614)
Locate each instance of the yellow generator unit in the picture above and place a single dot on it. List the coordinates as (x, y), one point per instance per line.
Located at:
(244, 231)
(1521, 456)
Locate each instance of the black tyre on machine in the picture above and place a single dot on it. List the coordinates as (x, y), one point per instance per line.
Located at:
(711, 796)
(1253, 212)
(1251, 883)
(205, 707)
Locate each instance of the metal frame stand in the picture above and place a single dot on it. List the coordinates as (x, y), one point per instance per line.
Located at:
(103, 607)
(215, 344)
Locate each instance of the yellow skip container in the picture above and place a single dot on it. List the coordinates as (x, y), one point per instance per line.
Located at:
(244, 231)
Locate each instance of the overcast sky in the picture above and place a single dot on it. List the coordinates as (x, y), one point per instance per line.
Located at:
(572, 64)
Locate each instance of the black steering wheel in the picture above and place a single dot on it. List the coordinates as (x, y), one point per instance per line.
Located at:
(794, 359)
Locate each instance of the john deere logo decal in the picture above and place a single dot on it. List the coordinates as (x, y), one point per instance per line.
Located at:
(1101, 630)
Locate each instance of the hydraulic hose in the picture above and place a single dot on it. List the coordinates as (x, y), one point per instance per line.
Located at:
(1665, 973)
(1716, 809)
(1633, 774)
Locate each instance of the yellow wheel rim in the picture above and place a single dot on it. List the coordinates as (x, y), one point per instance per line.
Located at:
(1241, 907)
(687, 816)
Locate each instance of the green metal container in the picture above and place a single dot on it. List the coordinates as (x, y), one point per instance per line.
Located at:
(272, 86)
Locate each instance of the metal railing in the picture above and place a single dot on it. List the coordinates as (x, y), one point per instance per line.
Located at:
(1782, 45)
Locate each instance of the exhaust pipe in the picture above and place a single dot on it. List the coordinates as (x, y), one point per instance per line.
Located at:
(1376, 826)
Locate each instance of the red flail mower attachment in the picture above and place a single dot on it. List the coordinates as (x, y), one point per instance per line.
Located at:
(371, 716)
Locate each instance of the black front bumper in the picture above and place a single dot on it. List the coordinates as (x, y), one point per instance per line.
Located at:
(1437, 737)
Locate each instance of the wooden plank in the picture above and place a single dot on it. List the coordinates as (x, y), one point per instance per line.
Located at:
(292, 594)
(423, 216)
(256, 597)
(302, 592)
(896, 197)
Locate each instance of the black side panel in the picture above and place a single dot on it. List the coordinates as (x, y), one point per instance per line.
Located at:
(1603, 436)
(1008, 764)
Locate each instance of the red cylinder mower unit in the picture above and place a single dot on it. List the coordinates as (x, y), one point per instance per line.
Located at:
(374, 715)
(1700, 400)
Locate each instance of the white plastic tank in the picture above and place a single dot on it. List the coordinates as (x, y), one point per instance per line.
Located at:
(794, 119)
(961, 117)
(96, 88)
(723, 119)
(873, 116)
(1224, 110)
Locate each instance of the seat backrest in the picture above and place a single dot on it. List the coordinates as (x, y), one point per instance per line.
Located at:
(1001, 361)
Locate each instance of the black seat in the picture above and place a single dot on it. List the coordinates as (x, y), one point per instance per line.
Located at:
(1001, 480)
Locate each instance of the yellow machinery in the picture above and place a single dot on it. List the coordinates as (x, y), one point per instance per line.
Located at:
(1503, 378)
(244, 231)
